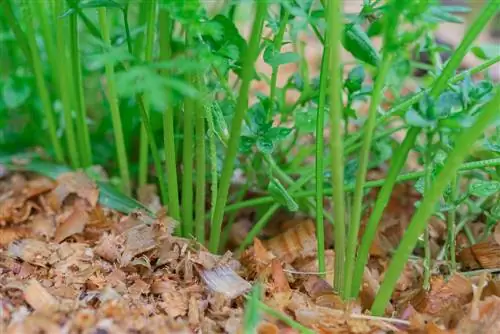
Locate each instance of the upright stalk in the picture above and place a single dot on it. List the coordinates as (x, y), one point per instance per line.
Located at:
(121, 151)
(40, 82)
(21, 38)
(76, 73)
(427, 186)
(213, 161)
(334, 23)
(451, 223)
(320, 151)
(148, 55)
(426, 208)
(278, 40)
(168, 120)
(141, 21)
(63, 69)
(239, 114)
(187, 164)
(402, 152)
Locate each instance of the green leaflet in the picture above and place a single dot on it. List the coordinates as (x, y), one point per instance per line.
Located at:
(357, 42)
(279, 193)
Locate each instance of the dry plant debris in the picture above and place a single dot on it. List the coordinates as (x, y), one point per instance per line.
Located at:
(69, 265)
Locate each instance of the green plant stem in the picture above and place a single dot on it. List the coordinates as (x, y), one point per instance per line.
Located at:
(187, 157)
(334, 24)
(127, 28)
(62, 70)
(148, 56)
(39, 9)
(121, 151)
(168, 119)
(213, 160)
(278, 40)
(426, 208)
(286, 319)
(78, 94)
(200, 169)
(319, 158)
(40, 82)
(232, 217)
(357, 201)
(14, 25)
(370, 184)
(427, 185)
(239, 114)
(141, 21)
(451, 223)
(400, 156)
(265, 218)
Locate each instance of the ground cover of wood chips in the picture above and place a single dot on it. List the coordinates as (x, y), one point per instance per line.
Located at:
(70, 265)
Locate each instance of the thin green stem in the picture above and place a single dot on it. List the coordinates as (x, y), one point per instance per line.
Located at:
(138, 47)
(200, 169)
(334, 22)
(187, 158)
(14, 25)
(82, 130)
(127, 28)
(265, 218)
(213, 159)
(319, 158)
(121, 151)
(64, 81)
(40, 82)
(286, 319)
(239, 114)
(278, 40)
(426, 208)
(427, 186)
(148, 56)
(168, 119)
(451, 223)
(357, 200)
(370, 184)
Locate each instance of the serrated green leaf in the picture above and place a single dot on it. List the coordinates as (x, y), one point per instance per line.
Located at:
(265, 145)
(484, 188)
(278, 133)
(246, 144)
(279, 193)
(355, 79)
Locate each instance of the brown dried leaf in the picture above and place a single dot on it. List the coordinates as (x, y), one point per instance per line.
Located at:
(39, 298)
(11, 234)
(109, 247)
(488, 321)
(279, 278)
(224, 280)
(32, 251)
(73, 183)
(44, 226)
(75, 223)
(297, 241)
(486, 254)
(138, 239)
(444, 297)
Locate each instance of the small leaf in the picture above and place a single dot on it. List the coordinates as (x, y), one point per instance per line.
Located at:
(15, 92)
(246, 144)
(265, 145)
(359, 44)
(355, 79)
(484, 188)
(305, 120)
(278, 133)
(414, 118)
(279, 193)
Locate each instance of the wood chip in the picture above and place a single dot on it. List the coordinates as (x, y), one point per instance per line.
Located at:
(39, 298)
(224, 280)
